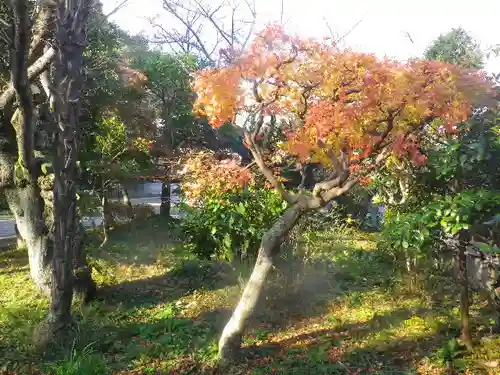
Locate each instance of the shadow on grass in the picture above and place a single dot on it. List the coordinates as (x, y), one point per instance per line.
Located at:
(346, 349)
(134, 243)
(15, 258)
(190, 276)
(153, 344)
(16, 338)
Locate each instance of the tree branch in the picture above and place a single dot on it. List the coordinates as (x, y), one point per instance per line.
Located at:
(171, 9)
(268, 173)
(42, 30)
(23, 117)
(33, 72)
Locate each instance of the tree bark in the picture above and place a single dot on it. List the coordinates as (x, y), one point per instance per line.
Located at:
(20, 244)
(70, 38)
(230, 339)
(126, 198)
(464, 293)
(106, 219)
(27, 206)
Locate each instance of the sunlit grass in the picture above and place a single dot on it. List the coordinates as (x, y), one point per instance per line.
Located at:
(161, 310)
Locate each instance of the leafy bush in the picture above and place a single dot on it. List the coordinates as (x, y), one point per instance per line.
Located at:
(230, 225)
(419, 231)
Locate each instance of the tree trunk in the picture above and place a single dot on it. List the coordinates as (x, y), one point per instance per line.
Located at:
(126, 198)
(19, 239)
(33, 216)
(464, 293)
(70, 38)
(130, 209)
(106, 218)
(166, 197)
(230, 339)
(27, 206)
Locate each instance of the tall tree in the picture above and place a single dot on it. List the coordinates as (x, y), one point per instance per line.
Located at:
(26, 131)
(456, 47)
(70, 38)
(348, 111)
(169, 85)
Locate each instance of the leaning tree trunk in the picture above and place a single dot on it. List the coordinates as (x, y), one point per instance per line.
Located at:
(230, 339)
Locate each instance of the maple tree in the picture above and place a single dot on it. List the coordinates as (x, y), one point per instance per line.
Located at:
(206, 176)
(316, 103)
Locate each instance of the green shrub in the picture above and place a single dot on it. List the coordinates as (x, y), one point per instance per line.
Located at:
(230, 225)
(419, 232)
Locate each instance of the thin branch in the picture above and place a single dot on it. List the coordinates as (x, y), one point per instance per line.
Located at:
(117, 8)
(171, 9)
(252, 23)
(351, 29)
(268, 173)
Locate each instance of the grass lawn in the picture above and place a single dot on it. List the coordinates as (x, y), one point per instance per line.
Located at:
(6, 215)
(159, 311)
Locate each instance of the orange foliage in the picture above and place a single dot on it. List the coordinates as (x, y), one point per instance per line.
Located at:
(205, 175)
(338, 100)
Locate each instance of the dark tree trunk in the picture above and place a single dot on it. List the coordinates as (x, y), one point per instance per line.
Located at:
(270, 247)
(70, 38)
(464, 292)
(166, 198)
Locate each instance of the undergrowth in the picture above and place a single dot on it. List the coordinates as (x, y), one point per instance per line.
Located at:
(159, 311)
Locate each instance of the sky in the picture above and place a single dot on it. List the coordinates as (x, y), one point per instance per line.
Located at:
(382, 26)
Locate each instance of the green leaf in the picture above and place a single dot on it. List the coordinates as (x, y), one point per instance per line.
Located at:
(44, 167)
(486, 248)
(241, 208)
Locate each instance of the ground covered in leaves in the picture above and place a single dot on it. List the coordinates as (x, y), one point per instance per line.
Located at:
(159, 311)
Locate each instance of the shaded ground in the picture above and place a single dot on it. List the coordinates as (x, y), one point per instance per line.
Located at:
(159, 311)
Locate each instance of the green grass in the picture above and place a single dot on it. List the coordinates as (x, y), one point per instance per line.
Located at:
(5, 215)
(159, 311)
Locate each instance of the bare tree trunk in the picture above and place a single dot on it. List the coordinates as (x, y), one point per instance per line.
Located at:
(464, 293)
(230, 339)
(106, 219)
